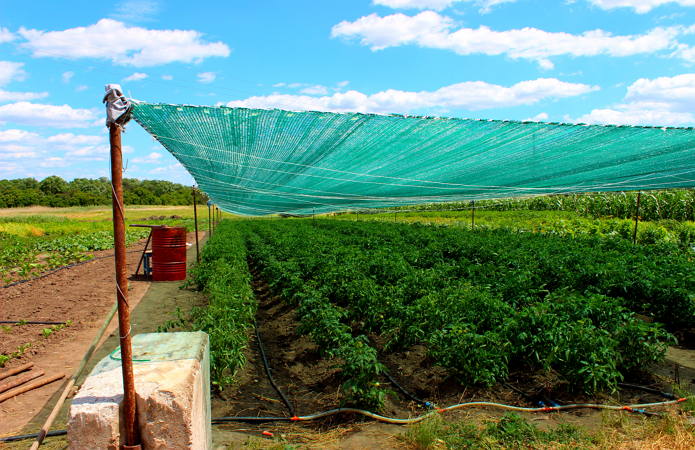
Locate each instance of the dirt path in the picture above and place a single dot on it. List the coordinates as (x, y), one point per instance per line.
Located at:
(83, 294)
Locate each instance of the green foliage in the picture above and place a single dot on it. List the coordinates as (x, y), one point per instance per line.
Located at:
(482, 300)
(511, 432)
(54, 191)
(17, 354)
(224, 275)
(19, 259)
(671, 204)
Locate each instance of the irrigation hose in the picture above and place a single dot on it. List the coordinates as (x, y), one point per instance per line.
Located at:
(648, 389)
(270, 377)
(406, 393)
(221, 420)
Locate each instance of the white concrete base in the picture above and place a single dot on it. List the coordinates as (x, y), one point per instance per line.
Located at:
(172, 390)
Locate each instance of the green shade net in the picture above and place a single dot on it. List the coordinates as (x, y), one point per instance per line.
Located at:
(257, 162)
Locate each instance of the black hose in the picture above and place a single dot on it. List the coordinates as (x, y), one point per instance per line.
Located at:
(22, 437)
(270, 377)
(406, 393)
(648, 389)
(61, 268)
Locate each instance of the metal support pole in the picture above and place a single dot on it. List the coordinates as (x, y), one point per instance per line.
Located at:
(195, 215)
(473, 215)
(313, 217)
(209, 221)
(132, 437)
(214, 223)
(634, 236)
(395, 216)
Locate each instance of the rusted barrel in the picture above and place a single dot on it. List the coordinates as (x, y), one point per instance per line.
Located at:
(168, 253)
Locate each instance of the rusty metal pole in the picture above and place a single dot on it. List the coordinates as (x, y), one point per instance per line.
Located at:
(634, 236)
(195, 215)
(213, 220)
(209, 220)
(132, 436)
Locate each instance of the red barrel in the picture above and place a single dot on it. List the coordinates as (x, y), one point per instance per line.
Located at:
(168, 253)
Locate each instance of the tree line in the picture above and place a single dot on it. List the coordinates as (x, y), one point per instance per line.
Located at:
(54, 191)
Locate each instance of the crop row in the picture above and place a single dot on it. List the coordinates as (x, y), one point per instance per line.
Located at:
(673, 204)
(482, 301)
(223, 274)
(20, 260)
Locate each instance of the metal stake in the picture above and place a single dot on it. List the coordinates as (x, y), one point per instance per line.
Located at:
(395, 216)
(195, 215)
(209, 221)
(313, 217)
(634, 236)
(132, 437)
(214, 223)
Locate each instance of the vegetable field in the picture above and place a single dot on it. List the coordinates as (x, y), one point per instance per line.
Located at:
(486, 302)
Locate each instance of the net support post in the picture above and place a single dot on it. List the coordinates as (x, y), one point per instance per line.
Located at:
(132, 437)
(195, 216)
(634, 235)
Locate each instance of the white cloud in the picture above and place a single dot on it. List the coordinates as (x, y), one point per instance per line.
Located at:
(82, 87)
(342, 84)
(6, 96)
(136, 11)
(133, 46)
(168, 169)
(152, 158)
(438, 5)
(135, 77)
(431, 30)
(67, 75)
(206, 77)
(167, 77)
(662, 101)
(640, 6)
(315, 90)
(40, 115)
(22, 136)
(278, 84)
(538, 117)
(6, 36)
(11, 71)
(71, 139)
(471, 95)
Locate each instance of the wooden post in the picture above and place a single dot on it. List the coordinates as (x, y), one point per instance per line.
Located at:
(209, 220)
(195, 215)
(132, 437)
(395, 215)
(313, 217)
(473, 215)
(144, 251)
(634, 235)
(214, 223)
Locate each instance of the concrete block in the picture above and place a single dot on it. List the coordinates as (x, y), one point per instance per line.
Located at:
(172, 391)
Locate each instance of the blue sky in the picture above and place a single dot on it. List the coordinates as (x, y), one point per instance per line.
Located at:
(589, 61)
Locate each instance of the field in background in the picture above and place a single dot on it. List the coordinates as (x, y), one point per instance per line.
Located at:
(36, 239)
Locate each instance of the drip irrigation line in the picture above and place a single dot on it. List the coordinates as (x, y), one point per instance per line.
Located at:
(220, 420)
(22, 437)
(270, 377)
(406, 393)
(32, 322)
(61, 268)
(648, 389)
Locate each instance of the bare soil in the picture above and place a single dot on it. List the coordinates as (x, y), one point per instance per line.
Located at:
(83, 294)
